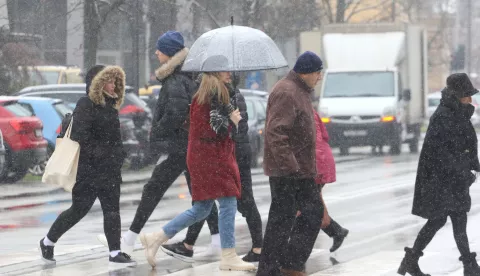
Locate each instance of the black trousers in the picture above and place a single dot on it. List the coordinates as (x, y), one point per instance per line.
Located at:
(288, 242)
(459, 223)
(162, 178)
(85, 192)
(246, 205)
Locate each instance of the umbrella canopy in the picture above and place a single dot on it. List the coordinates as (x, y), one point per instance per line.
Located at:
(234, 48)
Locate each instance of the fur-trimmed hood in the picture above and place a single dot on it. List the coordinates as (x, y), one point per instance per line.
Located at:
(168, 68)
(96, 93)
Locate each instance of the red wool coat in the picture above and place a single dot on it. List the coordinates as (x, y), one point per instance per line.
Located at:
(326, 172)
(210, 158)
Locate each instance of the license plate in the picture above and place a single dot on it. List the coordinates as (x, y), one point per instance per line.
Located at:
(38, 133)
(350, 133)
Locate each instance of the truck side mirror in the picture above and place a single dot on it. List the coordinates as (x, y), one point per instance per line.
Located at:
(407, 95)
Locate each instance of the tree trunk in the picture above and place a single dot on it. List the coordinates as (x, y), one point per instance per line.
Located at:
(341, 7)
(91, 24)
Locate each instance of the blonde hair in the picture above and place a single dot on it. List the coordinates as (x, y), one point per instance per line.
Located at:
(210, 85)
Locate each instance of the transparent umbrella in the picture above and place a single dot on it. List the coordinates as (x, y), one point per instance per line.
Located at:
(238, 48)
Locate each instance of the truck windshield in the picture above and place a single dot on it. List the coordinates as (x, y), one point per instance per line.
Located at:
(359, 84)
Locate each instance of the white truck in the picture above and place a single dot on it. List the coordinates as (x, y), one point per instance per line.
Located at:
(375, 83)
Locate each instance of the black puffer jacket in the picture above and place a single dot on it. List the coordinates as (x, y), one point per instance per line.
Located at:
(168, 134)
(241, 135)
(96, 127)
(448, 156)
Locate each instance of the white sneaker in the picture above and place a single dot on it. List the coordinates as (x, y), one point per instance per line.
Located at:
(211, 253)
(128, 249)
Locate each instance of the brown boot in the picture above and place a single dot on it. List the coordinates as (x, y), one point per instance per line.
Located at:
(288, 272)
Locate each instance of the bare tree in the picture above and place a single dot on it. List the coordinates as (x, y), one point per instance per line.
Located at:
(96, 12)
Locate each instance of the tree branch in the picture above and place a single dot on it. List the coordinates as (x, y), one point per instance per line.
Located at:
(382, 3)
(210, 15)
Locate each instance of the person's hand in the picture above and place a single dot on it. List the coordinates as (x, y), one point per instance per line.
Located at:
(235, 117)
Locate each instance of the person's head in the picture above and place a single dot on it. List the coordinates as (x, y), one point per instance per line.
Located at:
(461, 87)
(309, 67)
(108, 83)
(213, 82)
(168, 45)
(91, 73)
(109, 87)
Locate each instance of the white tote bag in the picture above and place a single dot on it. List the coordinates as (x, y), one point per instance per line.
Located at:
(61, 168)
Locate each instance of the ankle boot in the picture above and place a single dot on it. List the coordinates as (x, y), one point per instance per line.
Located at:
(337, 232)
(151, 242)
(470, 265)
(230, 261)
(410, 263)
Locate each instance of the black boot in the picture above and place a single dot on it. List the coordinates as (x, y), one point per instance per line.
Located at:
(470, 265)
(337, 232)
(410, 263)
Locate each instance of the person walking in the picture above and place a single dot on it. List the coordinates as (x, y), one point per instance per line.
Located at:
(96, 127)
(444, 175)
(169, 133)
(289, 161)
(213, 170)
(326, 173)
(246, 204)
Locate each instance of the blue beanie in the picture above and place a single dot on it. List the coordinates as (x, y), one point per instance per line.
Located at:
(308, 63)
(170, 43)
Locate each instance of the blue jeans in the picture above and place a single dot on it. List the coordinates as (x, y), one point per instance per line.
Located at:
(199, 211)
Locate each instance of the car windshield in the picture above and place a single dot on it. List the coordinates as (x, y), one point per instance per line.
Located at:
(62, 109)
(17, 109)
(74, 77)
(66, 97)
(37, 77)
(359, 84)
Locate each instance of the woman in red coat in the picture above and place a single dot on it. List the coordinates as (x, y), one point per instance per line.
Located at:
(326, 174)
(213, 170)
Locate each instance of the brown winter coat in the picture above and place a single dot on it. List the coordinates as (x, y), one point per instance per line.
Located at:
(290, 130)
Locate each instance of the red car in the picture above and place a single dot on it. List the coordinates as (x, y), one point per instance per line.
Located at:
(23, 139)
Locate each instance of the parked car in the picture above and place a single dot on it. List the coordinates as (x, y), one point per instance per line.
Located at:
(39, 75)
(256, 108)
(51, 112)
(133, 108)
(2, 154)
(23, 139)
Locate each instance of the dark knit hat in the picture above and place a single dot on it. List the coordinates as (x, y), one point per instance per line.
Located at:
(170, 43)
(459, 84)
(92, 72)
(307, 63)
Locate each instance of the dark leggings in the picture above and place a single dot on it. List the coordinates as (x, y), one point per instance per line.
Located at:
(246, 205)
(163, 176)
(459, 223)
(84, 194)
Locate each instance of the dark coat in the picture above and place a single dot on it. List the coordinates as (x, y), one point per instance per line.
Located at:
(448, 156)
(241, 135)
(211, 154)
(290, 130)
(96, 126)
(168, 134)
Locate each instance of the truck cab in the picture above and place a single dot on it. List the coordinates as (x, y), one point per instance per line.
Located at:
(374, 88)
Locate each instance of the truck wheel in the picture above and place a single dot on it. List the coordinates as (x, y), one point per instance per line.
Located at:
(414, 147)
(344, 151)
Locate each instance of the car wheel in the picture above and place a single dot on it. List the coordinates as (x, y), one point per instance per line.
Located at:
(10, 173)
(39, 168)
